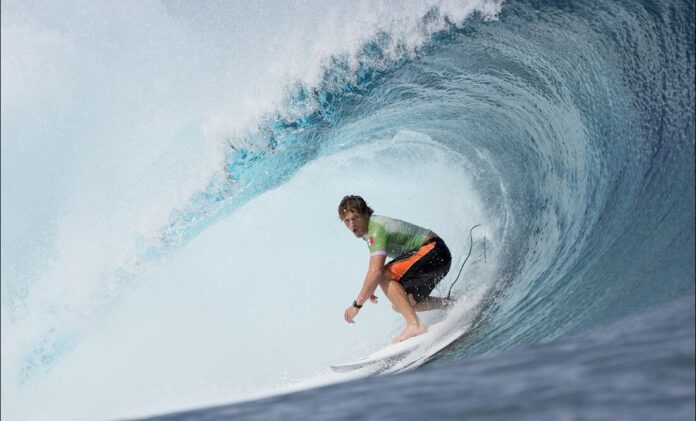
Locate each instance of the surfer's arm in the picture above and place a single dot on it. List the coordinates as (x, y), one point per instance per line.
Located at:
(372, 279)
(374, 275)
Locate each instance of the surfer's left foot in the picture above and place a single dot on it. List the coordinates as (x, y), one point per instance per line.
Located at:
(410, 332)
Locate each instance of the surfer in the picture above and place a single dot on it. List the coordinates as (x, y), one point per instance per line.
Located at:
(420, 259)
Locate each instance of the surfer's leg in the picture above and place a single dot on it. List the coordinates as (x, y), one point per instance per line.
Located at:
(427, 304)
(431, 303)
(400, 302)
(423, 275)
(397, 295)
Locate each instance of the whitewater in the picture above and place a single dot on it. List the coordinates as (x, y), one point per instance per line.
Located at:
(171, 172)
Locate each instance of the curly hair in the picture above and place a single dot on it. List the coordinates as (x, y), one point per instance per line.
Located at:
(354, 204)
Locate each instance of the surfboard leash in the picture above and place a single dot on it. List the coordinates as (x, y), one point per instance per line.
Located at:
(471, 246)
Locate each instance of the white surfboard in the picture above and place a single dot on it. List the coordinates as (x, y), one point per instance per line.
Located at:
(388, 354)
(393, 356)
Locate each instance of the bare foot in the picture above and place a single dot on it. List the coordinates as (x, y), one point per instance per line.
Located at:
(410, 331)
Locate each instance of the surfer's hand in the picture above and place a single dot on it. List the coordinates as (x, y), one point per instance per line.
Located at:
(373, 299)
(350, 313)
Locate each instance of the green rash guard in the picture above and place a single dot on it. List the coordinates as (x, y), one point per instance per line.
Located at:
(392, 237)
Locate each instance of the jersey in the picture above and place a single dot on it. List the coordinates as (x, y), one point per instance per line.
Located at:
(391, 237)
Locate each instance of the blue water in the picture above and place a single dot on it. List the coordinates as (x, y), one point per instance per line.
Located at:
(565, 129)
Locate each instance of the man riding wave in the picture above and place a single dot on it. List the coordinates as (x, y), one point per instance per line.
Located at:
(419, 260)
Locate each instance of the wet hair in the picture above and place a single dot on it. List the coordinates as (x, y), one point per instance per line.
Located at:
(354, 204)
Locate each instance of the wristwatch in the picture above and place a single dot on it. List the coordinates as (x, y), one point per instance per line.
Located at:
(356, 305)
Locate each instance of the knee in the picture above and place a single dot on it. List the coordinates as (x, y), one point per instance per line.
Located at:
(384, 283)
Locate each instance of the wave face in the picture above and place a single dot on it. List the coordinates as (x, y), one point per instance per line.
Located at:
(169, 235)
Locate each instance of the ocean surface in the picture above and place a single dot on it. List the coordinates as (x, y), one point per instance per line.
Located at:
(171, 172)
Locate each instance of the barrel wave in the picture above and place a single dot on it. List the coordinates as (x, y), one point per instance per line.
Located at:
(182, 250)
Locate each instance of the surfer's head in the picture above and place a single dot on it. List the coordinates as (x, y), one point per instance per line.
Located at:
(355, 214)
(353, 204)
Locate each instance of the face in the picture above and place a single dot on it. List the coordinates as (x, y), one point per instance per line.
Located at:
(356, 223)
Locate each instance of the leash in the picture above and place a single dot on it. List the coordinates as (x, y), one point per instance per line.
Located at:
(471, 245)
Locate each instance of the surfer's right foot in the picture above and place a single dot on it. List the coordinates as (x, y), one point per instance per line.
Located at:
(410, 332)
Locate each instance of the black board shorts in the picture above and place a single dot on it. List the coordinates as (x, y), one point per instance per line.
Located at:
(419, 271)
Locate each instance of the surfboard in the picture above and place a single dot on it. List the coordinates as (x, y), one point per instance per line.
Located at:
(389, 354)
(392, 355)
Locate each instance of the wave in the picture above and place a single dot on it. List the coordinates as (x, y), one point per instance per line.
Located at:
(563, 130)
